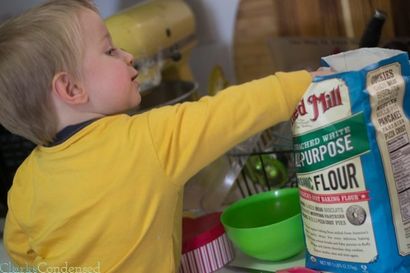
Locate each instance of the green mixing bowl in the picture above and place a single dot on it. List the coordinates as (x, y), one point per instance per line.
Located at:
(267, 226)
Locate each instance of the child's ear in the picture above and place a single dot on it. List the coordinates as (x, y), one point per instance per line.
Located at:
(68, 90)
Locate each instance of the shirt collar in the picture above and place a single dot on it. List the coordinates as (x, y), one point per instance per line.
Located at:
(69, 131)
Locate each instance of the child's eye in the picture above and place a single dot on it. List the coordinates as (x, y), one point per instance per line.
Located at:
(111, 51)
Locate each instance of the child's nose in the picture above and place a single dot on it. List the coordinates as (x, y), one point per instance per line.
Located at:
(128, 57)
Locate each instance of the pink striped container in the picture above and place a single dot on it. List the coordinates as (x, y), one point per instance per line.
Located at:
(205, 246)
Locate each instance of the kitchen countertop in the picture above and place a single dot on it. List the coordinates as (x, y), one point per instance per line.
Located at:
(246, 264)
(241, 263)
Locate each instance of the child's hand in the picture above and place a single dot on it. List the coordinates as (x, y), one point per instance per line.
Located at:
(322, 71)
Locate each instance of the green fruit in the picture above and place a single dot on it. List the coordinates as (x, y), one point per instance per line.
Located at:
(271, 172)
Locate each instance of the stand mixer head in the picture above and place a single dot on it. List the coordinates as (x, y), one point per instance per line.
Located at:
(160, 34)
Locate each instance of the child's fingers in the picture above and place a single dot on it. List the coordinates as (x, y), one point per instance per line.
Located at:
(322, 71)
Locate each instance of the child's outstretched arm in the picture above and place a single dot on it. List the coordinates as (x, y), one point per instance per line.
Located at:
(196, 133)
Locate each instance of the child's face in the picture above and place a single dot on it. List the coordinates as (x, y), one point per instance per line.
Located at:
(108, 77)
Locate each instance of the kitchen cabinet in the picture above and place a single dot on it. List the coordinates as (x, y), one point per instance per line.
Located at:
(260, 20)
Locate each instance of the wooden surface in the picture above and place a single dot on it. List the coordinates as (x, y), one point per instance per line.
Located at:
(401, 13)
(261, 20)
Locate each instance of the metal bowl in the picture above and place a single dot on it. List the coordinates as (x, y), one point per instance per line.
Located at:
(168, 93)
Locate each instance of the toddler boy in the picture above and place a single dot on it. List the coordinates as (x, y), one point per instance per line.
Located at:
(102, 190)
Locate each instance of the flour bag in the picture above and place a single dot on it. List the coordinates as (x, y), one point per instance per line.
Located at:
(351, 135)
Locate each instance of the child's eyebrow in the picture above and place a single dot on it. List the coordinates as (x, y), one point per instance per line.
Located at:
(107, 35)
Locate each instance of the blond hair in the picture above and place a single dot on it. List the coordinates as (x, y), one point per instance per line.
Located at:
(34, 47)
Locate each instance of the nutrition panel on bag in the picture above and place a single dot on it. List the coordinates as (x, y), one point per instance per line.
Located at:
(386, 88)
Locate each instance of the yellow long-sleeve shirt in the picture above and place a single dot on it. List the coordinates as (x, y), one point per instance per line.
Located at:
(108, 199)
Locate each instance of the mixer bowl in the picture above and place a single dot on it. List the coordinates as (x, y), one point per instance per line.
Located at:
(168, 93)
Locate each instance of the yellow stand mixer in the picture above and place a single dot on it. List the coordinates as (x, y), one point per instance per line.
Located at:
(161, 35)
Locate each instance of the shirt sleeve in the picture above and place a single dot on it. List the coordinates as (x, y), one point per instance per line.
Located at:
(189, 136)
(16, 242)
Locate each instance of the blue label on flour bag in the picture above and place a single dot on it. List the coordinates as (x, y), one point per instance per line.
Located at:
(352, 153)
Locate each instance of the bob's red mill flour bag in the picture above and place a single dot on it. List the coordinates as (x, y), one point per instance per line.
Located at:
(351, 140)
